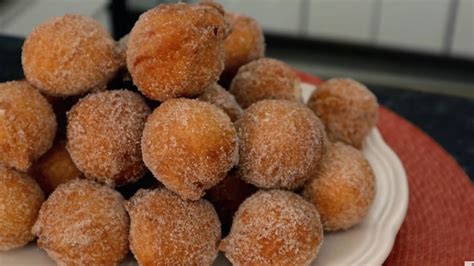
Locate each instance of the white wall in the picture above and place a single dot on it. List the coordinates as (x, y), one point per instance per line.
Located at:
(18, 17)
(463, 37)
(345, 20)
(413, 24)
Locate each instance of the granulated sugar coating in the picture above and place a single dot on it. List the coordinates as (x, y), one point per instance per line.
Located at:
(279, 142)
(244, 44)
(216, 95)
(166, 230)
(83, 223)
(265, 79)
(27, 125)
(189, 146)
(325, 142)
(176, 50)
(274, 227)
(343, 188)
(54, 168)
(347, 108)
(69, 55)
(20, 201)
(104, 132)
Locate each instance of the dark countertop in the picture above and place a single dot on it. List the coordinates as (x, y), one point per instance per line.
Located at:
(449, 120)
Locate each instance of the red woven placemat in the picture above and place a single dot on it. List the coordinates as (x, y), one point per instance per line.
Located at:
(439, 226)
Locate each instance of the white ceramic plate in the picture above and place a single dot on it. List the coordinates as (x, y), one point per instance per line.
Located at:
(368, 243)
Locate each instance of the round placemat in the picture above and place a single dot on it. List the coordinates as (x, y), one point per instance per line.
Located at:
(439, 226)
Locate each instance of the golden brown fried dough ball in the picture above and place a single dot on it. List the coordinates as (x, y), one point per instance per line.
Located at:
(343, 188)
(347, 108)
(227, 197)
(167, 230)
(176, 50)
(54, 168)
(104, 132)
(189, 146)
(83, 223)
(218, 96)
(69, 55)
(265, 78)
(20, 201)
(27, 125)
(244, 44)
(274, 227)
(279, 142)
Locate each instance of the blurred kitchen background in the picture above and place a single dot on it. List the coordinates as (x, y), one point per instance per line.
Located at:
(423, 45)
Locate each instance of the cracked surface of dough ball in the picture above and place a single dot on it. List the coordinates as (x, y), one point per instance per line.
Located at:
(218, 96)
(27, 125)
(274, 227)
(347, 108)
(54, 168)
(104, 132)
(343, 189)
(176, 50)
(20, 201)
(189, 146)
(244, 44)
(83, 223)
(69, 55)
(167, 230)
(279, 142)
(265, 78)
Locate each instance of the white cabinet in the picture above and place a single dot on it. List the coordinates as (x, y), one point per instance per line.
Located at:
(32, 13)
(279, 16)
(463, 37)
(345, 20)
(413, 24)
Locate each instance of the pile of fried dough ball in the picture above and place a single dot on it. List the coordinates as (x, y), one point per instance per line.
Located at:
(211, 149)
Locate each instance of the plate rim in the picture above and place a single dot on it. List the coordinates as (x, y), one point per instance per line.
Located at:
(386, 229)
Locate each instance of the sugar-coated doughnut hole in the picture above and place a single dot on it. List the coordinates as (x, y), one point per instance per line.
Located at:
(244, 44)
(83, 223)
(227, 197)
(274, 227)
(343, 188)
(265, 78)
(347, 108)
(279, 142)
(20, 201)
(189, 146)
(167, 230)
(55, 167)
(104, 132)
(69, 55)
(176, 50)
(27, 125)
(218, 96)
